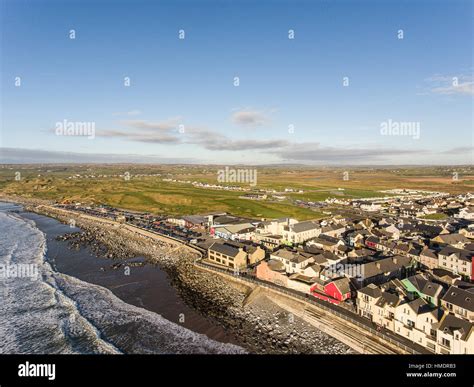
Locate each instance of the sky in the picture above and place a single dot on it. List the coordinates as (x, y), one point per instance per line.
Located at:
(321, 82)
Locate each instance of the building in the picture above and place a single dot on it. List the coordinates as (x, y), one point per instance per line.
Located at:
(227, 254)
(420, 285)
(455, 336)
(272, 271)
(428, 259)
(466, 213)
(276, 226)
(380, 271)
(333, 230)
(457, 261)
(366, 299)
(454, 240)
(270, 241)
(383, 310)
(294, 262)
(241, 231)
(301, 232)
(339, 289)
(193, 221)
(255, 254)
(326, 243)
(459, 302)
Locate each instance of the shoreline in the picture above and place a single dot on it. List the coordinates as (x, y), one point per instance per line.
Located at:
(262, 325)
(133, 279)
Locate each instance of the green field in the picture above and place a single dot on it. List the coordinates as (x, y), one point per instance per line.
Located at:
(151, 194)
(435, 216)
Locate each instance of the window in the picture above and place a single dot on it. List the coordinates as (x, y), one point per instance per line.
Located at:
(446, 342)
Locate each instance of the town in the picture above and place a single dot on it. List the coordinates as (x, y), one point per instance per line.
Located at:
(381, 259)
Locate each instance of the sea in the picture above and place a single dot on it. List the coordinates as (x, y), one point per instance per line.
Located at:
(56, 301)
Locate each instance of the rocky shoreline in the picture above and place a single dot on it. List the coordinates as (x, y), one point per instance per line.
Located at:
(261, 326)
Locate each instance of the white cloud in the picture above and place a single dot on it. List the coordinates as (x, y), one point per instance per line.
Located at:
(249, 118)
(461, 84)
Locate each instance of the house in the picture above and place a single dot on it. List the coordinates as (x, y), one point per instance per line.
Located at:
(428, 259)
(270, 241)
(466, 213)
(313, 270)
(424, 332)
(458, 261)
(272, 271)
(241, 231)
(192, 221)
(445, 276)
(383, 310)
(276, 226)
(326, 243)
(372, 242)
(459, 302)
(339, 289)
(381, 271)
(300, 232)
(455, 240)
(333, 230)
(359, 254)
(366, 299)
(468, 231)
(300, 282)
(455, 336)
(356, 238)
(294, 262)
(227, 254)
(413, 210)
(412, 318)
(371, 207)
(254, 254)
(406, 315)
(394, 231)
(422, 286)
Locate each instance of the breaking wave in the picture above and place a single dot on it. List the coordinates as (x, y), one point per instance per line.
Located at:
(58, 313)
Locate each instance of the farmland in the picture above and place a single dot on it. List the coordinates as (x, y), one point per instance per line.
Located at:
(145, 189)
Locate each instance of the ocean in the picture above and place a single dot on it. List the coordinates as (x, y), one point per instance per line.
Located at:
(46, 311)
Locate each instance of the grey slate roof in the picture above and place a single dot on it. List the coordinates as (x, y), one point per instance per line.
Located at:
(424, 285)
(462, 254)
(305, 226)
(225, 248)
(371, 290)
(453, 324)
(460, 297)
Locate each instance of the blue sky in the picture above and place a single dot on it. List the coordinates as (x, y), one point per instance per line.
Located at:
(182, 105)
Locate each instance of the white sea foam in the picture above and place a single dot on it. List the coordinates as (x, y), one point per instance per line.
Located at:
(58, 313)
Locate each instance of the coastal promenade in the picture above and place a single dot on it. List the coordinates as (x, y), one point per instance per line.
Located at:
(340, 323)
(353, 330)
